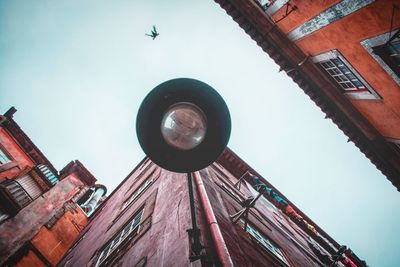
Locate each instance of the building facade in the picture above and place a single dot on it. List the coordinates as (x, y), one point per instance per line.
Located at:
(42, 210)
(242, 220)
(345, 55)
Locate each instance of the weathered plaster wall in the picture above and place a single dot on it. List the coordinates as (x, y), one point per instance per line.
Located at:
(27, 223)
(16, 153)
(306, 11)
(30, 260)
(345, 35)
(54, 242)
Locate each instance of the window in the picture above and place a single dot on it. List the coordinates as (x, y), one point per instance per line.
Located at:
(150, 179)
(349, 81)
(3, 157)
(16, 194)
(30, 186)
(264, 200)
(390, 53)
(342, 75)
(385, 49)
(126, 233)
(226, 185)
(13, 198)
(266, 243)
(135, 194)
(231, 192)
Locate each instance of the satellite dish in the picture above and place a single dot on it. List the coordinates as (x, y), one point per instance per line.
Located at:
(183, 125)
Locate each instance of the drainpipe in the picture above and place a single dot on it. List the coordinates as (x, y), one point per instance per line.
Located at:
(219, 243)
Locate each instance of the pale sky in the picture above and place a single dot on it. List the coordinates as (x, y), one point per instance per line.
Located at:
(77, 72)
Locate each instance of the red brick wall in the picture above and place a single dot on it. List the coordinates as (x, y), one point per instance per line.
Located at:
(26, 224)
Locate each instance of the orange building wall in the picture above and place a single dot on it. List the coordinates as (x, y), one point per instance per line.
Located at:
(345, 35)
(30, 260)
(54, 242)
(16, 153)
(307, 9)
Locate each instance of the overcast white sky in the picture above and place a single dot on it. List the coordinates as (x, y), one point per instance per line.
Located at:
(78, 70)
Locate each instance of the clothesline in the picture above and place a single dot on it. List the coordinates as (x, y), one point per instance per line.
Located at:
(283, 205)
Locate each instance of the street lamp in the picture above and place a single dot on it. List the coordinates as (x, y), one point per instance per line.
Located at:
(183, 125)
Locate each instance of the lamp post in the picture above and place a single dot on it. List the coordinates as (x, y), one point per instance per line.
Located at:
(183, 125)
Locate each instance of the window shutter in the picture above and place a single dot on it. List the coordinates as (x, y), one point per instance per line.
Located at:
(16, 193)
(30, 186)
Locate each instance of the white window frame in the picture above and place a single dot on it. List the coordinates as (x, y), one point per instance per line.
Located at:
(132, 228)
(266, 243)
(353, 93)
(138, 192)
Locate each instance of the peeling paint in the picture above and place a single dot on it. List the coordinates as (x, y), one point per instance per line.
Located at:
(332, 14)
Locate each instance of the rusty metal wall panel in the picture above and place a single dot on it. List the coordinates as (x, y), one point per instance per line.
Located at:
(30, 186)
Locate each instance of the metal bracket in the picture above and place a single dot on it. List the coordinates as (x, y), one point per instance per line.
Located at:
(247, 204)
(287, 11)
(240, 181)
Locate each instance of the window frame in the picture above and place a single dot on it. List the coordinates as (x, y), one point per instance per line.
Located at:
(11, 204)
(28, 188)
(139, 191)
(122, 238)
(148, 206)
(124, 207)
(363, 92)
(379, 40)
(266, 243)
(4, 153)
(226, 185)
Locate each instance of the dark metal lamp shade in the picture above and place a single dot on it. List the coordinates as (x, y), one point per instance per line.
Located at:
(183, 125)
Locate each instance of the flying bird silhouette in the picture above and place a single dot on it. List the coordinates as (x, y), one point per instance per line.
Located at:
(154, 33)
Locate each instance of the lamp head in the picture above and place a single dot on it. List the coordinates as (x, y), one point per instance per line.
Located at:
(183, 125)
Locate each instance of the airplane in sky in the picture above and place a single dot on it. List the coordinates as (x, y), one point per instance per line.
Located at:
(154, 33)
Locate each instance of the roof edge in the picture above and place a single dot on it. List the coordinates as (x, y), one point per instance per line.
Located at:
(20, 137)
(316, 85)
